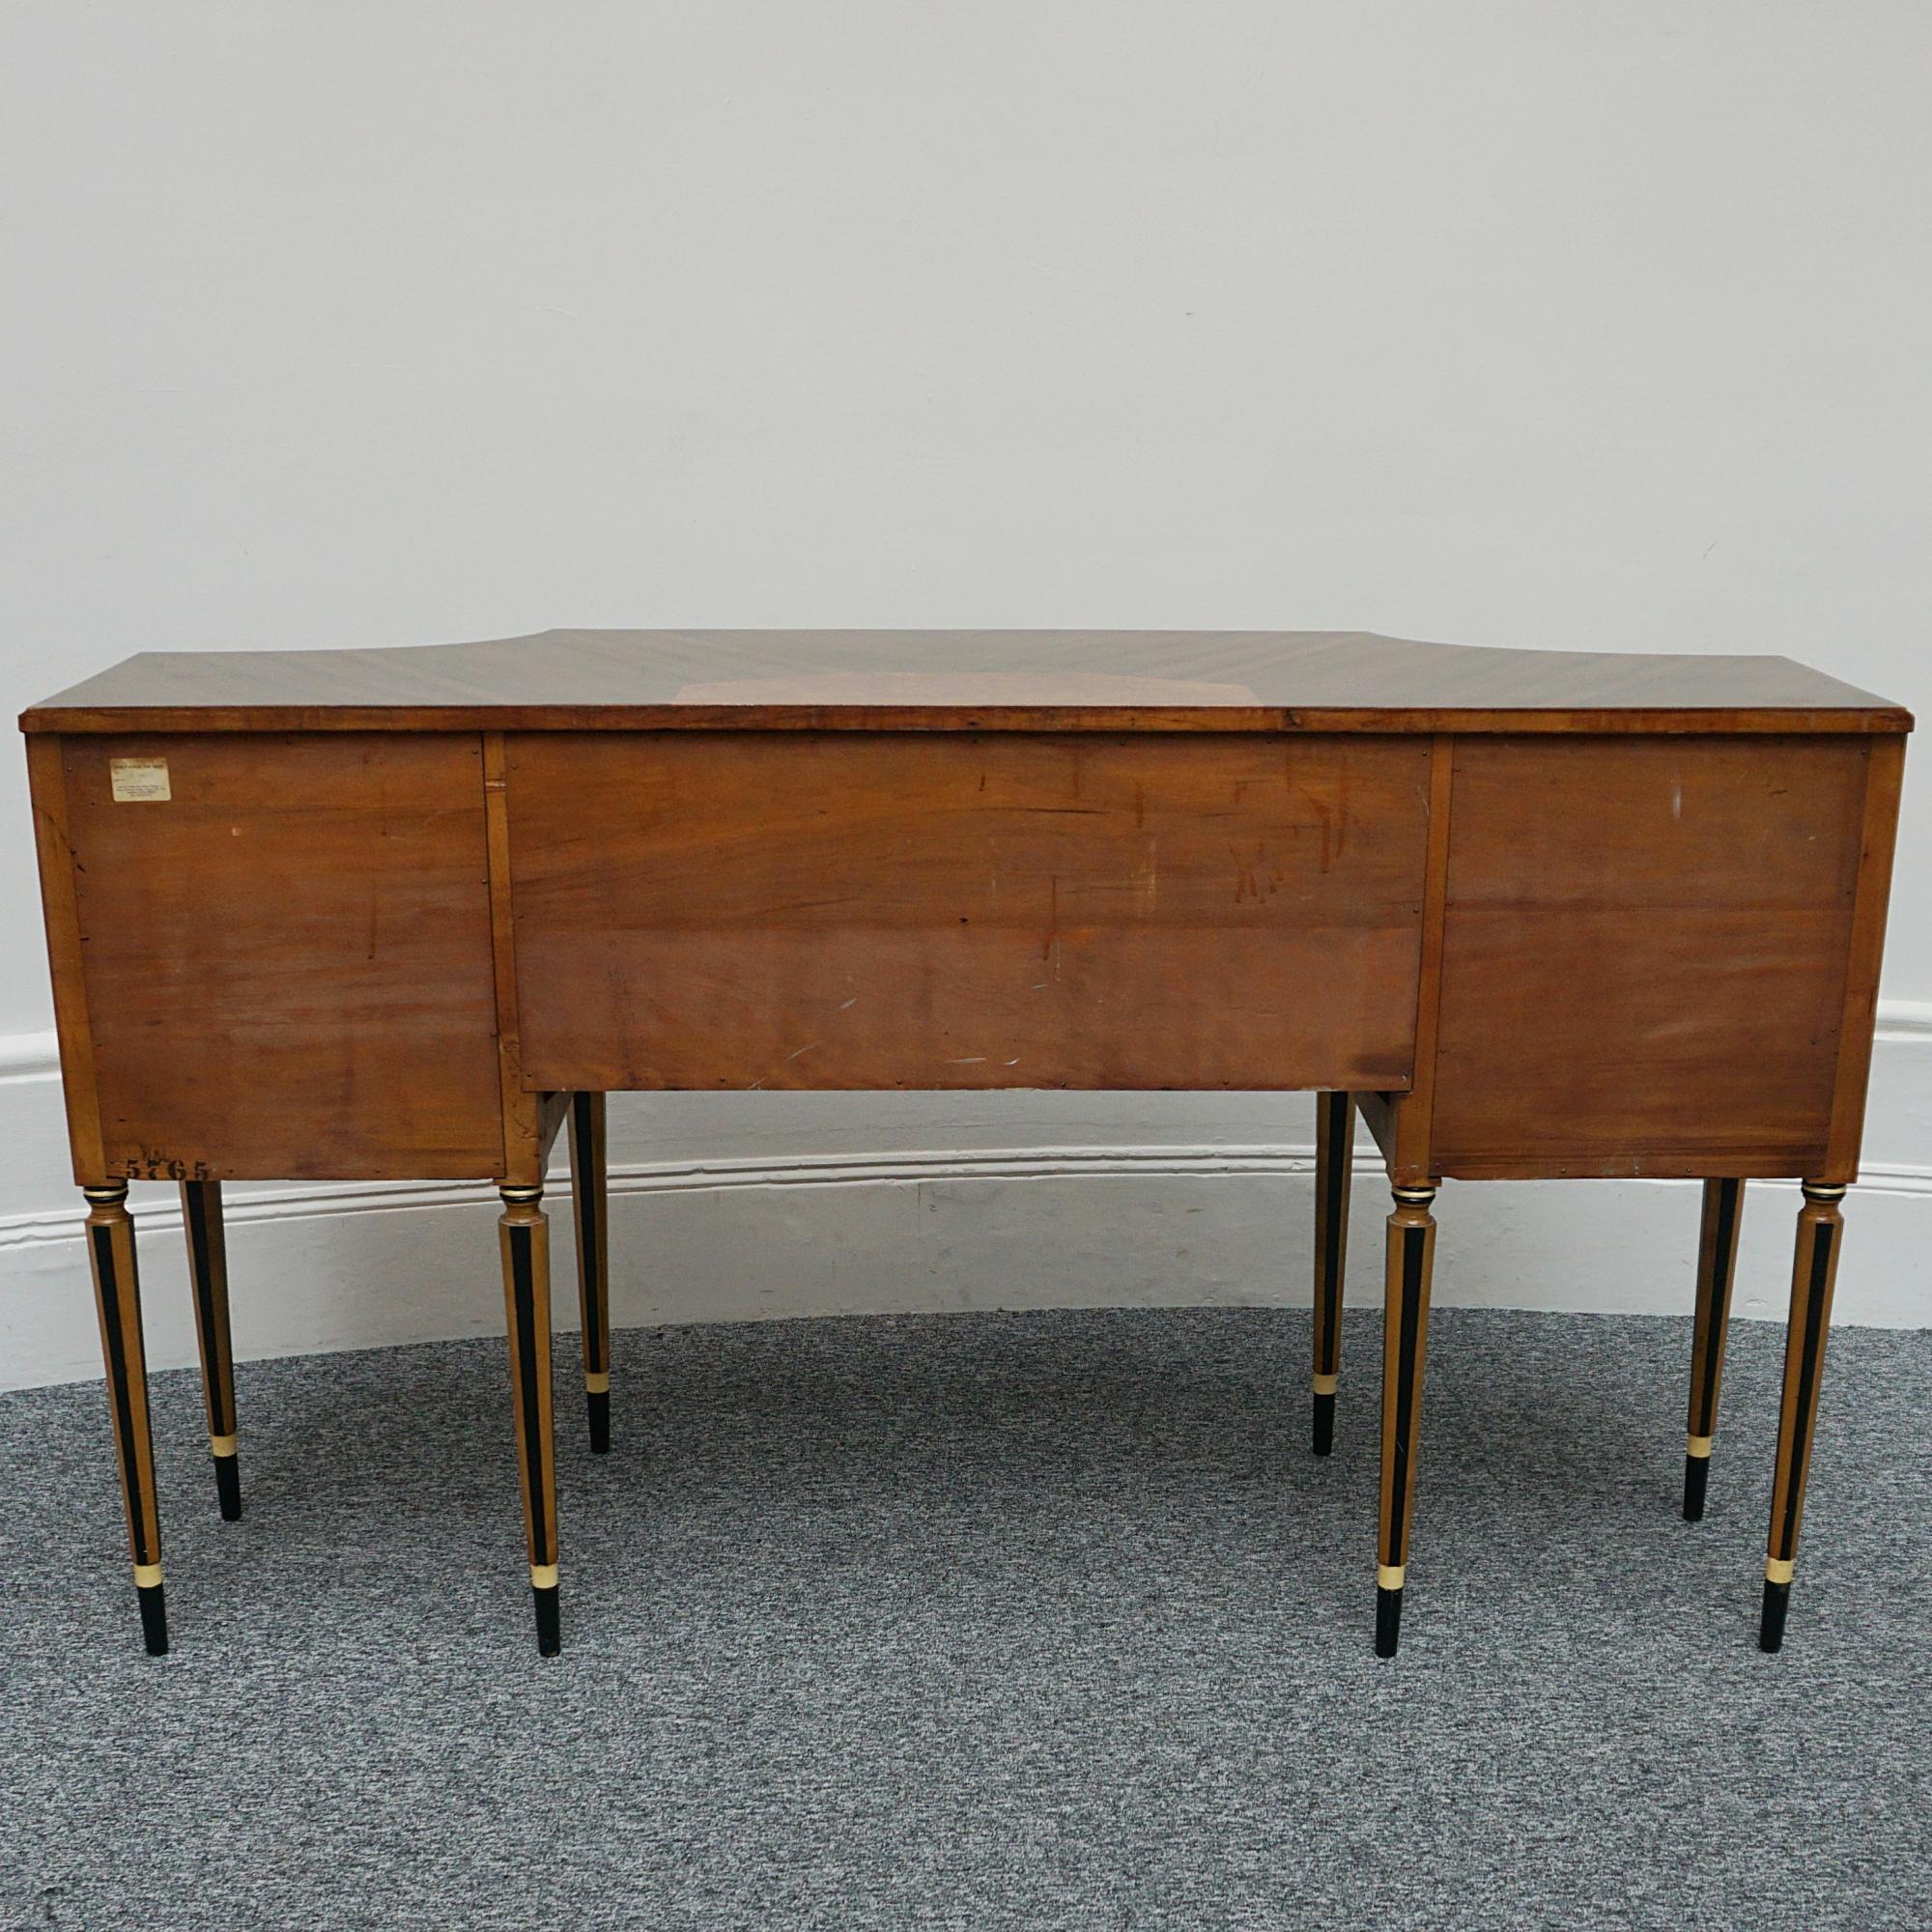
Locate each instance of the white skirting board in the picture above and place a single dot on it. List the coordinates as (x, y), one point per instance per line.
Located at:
(734, 1206)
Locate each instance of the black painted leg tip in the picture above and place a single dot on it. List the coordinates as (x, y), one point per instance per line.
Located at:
(550, 1636)
(153, 1618)
(1388, 1621)
(228, 1486)
(1325, 1424)
(1696, 1478)
(1771, 1624)
(598, 1403)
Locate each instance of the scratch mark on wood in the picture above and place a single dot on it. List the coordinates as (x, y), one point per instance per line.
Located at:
(1326, 820)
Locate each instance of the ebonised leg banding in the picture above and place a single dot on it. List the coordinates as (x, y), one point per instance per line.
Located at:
(543, 1596)
(590, 1190)
(117, 1294)
(1716, 1268)
(1814, 1272)
(526, 1243)
(154, 1613)
(1324, 1414)
(1696, 1478)
(1389, 1612)
(208, 1277)
(1411, 1255)
(1334, 1146)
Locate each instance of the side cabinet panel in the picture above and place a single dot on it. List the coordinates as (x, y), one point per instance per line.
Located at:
(286, 954)
(1644, 954)
(774, 910)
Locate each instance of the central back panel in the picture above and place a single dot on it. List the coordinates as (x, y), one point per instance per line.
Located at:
(770, 910)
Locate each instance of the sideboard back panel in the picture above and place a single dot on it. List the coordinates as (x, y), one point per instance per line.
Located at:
(287, 959)
(1644, 954)
(966, 910)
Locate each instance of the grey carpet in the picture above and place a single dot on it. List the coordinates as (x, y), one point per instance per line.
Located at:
(1040, 1620)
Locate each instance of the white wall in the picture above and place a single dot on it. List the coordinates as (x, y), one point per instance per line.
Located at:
(1513, 323)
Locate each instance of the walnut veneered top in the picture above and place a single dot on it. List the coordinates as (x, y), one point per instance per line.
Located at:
(959, 680)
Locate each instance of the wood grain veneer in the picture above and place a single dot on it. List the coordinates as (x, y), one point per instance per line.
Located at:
(982, 910)
(1266, 681)
(287, 964)
(1644, 954)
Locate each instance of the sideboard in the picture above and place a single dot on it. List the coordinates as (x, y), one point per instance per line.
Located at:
(409, 913)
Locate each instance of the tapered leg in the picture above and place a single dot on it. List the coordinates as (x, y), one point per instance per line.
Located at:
(1717, 1267)
(526, 1239)
(1411, 1255)
(117, 1294)
(590, 1192)
(1334, 1148)
(208, 1277)
(1814, 1269)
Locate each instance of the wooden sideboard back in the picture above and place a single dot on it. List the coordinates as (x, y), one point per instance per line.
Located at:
(1550, 955)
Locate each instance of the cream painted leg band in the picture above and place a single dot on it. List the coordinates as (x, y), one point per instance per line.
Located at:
(597, 1382)
(1389, 1576)
(147, 1576)
(543, 1575)
(1778, 1569)
(223, 1445)
(1327, 1384)
(1697, 1445)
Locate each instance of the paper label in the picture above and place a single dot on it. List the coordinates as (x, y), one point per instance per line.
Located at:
(139, 781)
